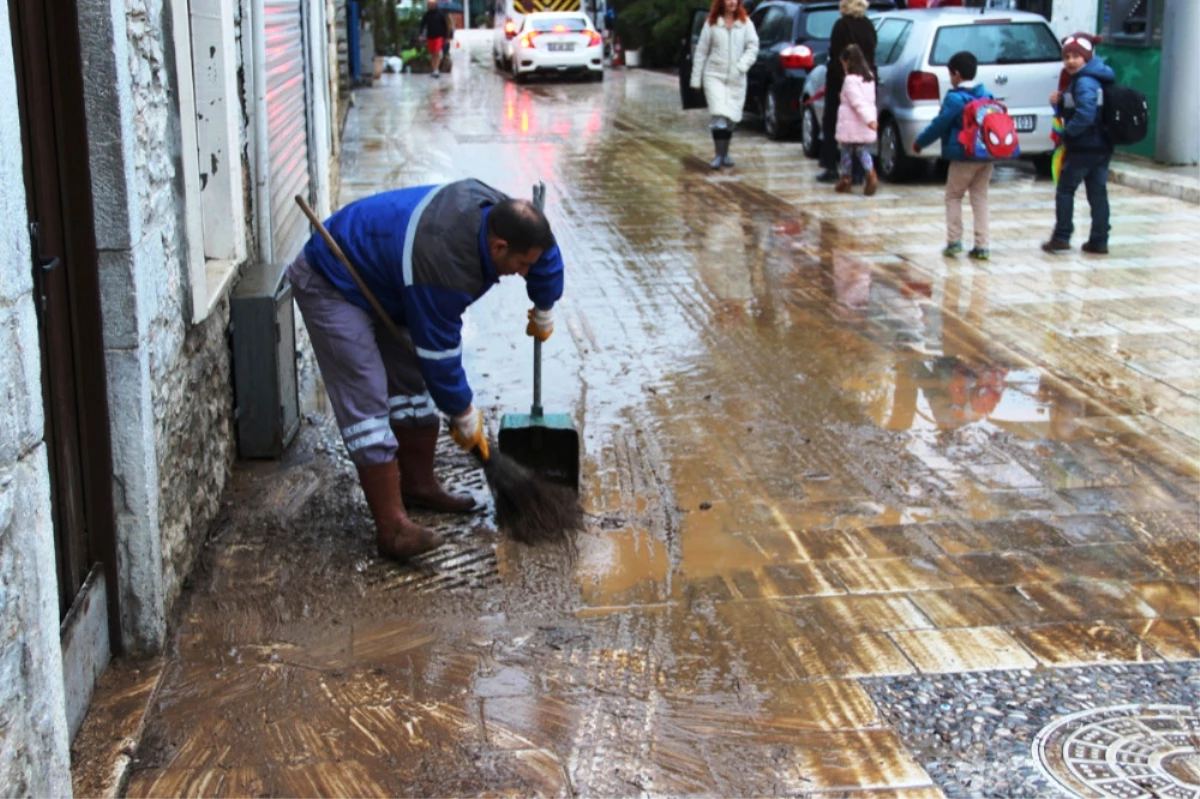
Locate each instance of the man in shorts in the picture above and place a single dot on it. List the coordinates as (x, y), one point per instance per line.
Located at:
(435, 28)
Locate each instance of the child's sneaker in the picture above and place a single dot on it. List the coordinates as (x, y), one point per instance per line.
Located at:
(980, 254)
(953, 249)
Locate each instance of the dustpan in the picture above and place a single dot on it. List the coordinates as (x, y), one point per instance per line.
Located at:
(546, 443)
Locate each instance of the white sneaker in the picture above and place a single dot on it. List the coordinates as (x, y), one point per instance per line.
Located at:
(435, 73)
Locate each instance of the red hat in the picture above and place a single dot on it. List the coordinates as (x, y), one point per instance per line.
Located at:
(1083, 44)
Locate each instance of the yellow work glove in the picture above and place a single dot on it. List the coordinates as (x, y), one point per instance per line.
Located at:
(467, 431)
(541, 324)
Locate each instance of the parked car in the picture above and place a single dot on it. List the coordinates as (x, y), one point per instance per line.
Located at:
(557, 42)
(1019, 62)
(792, 36)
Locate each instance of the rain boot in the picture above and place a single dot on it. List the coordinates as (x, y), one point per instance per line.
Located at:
(721, 146)
(725, 159)
(872, 183)
(418, 484)
(396, 536)
(843, 184)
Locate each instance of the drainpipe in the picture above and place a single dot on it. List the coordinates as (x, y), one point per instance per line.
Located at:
(262, 153)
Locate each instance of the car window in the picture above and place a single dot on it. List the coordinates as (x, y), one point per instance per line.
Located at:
(571, 24)
(772, 26)
(890, 40)
(997, 43)
(698, 20)
(756, 19)
(780, 25)
(819, 24)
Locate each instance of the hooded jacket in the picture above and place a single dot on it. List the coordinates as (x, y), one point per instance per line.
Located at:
(947, 124)
(423, 253)
(1080, 109)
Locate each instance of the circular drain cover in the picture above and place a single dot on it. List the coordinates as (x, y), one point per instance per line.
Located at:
(1128, 752)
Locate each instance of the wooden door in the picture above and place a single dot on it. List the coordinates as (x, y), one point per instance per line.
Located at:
(67, 294)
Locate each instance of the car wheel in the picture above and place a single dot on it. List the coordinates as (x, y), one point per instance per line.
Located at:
(1041, 163)
(810, 133)
(771, 122)
(516, 71)
(894, 164)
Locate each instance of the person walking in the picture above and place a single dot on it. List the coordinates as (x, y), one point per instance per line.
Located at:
(1087, 150)
(857, 120)
(725, 52)
(852, 27)
(426, 253)
(435, 27)
(964, 175)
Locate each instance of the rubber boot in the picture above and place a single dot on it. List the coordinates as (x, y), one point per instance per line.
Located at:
(721, 146)
(843, 184)
(418, 484)
(872, 183)
(725, 159)
(396, 536)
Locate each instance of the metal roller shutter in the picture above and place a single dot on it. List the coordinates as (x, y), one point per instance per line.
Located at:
(287, 124)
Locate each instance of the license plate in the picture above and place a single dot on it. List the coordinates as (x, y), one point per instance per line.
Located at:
(1025, 123)
(569, 47)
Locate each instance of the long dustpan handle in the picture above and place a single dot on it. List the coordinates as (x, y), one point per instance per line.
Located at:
(539, 200)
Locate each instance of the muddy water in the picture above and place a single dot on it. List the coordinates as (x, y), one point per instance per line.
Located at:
(815, 453)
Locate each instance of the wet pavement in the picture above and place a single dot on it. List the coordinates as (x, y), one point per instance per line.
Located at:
(839, 490)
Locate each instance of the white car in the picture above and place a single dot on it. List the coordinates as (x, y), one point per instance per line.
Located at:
(556, 42)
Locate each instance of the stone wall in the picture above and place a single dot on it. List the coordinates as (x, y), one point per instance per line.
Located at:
(170, 382)
(190, 368)
(34, 758)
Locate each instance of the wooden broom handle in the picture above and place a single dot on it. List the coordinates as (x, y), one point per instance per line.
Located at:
(341, 256)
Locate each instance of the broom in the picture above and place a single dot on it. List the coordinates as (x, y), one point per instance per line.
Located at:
(531, 508)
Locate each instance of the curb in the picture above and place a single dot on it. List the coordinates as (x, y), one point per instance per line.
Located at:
(1179, 188)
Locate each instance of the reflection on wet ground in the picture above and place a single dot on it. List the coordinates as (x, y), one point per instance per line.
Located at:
(816, 453)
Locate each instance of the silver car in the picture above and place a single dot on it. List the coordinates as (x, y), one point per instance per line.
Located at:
(1019, 62)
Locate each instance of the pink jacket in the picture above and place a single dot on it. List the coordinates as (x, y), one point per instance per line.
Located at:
(857, 110)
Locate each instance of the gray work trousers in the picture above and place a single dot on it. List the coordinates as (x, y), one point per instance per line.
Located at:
(373, 382)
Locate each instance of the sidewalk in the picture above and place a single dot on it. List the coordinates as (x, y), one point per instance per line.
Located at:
(1180, 182)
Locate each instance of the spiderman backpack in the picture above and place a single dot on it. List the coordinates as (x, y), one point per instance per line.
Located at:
(988, 132)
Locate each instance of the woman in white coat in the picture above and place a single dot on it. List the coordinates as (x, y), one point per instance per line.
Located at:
(725, 52)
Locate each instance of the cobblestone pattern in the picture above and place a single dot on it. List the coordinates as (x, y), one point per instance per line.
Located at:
(973, 733)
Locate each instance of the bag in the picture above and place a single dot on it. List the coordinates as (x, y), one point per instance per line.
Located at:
(1125, 114)
(988, 132)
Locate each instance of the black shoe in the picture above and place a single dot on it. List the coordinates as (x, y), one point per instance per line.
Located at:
(1056, 245)
(1095, 249)
(828, 176)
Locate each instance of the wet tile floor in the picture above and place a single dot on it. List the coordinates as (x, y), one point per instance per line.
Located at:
(831, 478)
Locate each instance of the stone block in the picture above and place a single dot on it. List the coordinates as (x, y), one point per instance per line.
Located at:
(21, 412)
(131, 292)
(27, 564)
(104, 39)
(132, 431)
(14, 233)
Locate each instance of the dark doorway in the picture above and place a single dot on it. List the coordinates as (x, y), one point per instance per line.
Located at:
(67, 294)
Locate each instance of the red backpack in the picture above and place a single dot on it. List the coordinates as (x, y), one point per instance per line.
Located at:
(988, 132)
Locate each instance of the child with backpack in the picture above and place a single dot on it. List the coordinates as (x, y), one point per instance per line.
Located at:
(1088, 149)
(965, 175)
(857, 120)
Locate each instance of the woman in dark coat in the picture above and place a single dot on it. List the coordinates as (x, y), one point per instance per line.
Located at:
(852, 28)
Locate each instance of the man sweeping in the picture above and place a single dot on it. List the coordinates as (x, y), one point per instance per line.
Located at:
(426, 253)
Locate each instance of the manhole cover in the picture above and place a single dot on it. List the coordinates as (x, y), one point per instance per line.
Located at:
(1128, 752)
